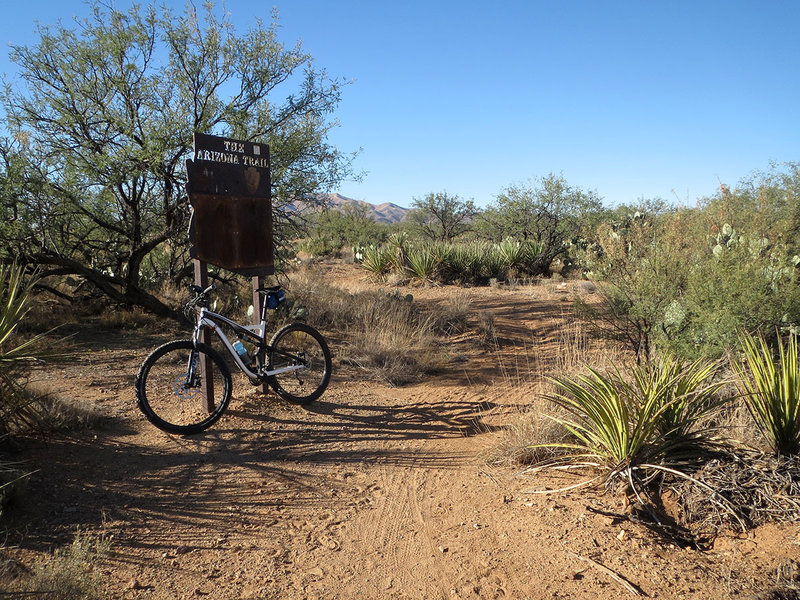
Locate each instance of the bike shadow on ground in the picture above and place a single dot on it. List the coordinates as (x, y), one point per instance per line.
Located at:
(262, 458)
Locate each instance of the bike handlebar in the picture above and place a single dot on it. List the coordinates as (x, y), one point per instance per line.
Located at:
(200, 291)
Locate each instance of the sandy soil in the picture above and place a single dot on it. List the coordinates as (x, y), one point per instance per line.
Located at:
(372, 492)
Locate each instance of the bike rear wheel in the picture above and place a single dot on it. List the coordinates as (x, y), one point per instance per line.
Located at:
(170, 387)
(299, 345)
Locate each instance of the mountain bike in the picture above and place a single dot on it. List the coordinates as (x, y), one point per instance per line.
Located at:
(171, 385)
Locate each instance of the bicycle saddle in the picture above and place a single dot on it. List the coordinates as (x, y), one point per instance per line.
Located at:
(268, 290)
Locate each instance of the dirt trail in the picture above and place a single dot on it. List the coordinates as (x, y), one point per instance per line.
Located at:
(372, 492)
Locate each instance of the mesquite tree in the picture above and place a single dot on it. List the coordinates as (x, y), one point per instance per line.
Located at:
(100, 123)
(548, 211)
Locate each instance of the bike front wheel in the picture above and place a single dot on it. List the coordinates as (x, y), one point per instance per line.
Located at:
(171, 386)
(303, 356)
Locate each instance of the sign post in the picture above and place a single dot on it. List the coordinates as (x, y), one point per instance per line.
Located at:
(228, 182)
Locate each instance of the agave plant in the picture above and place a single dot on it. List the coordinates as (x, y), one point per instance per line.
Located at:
(772, 391)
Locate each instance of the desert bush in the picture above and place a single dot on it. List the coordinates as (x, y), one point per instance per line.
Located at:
(643, 265)
(548, 211)
(332, 228)
(772, 391)
(687, 284)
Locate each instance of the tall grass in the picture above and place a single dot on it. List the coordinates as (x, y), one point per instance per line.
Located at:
(391, 337)
(772, 391)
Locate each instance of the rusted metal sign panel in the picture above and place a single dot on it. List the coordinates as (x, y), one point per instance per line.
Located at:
(229, 189)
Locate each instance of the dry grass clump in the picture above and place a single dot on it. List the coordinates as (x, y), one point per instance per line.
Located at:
(56, 412)
(514, 447)
(67, 575)
(389, 335)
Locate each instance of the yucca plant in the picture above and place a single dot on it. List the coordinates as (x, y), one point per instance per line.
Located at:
(689, 392)
(378, 261)
(15, 291)
(511, 253)
(531, 251)
(422, 263)
(465, 261)
(398, 242)
(16, 406)
(494, 264)
(630, 428)
(612, 427)
(772, 391)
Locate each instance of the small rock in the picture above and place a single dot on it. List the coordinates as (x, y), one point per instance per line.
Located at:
(444, 549)
(316, 572)
(182, 550)
(134, 584)
(622, 534)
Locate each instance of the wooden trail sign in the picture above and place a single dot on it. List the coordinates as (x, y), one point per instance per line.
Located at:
(229, 189)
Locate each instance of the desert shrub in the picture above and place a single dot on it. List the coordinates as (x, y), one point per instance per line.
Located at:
(771, 389)
(548, 211)
(320, 244)
(643, 266)
(738, 282)
(668, 283)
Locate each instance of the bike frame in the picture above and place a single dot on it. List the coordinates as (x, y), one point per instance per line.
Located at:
(255, 333)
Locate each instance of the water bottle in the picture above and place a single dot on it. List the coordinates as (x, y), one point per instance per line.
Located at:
(242, 352)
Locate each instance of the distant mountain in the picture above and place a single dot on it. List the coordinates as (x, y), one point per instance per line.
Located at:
(383, 213)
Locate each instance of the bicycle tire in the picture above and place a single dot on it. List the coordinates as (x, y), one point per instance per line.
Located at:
(167, 401)
(294, 344)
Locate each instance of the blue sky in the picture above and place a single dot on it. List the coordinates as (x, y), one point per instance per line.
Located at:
(631, 99)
